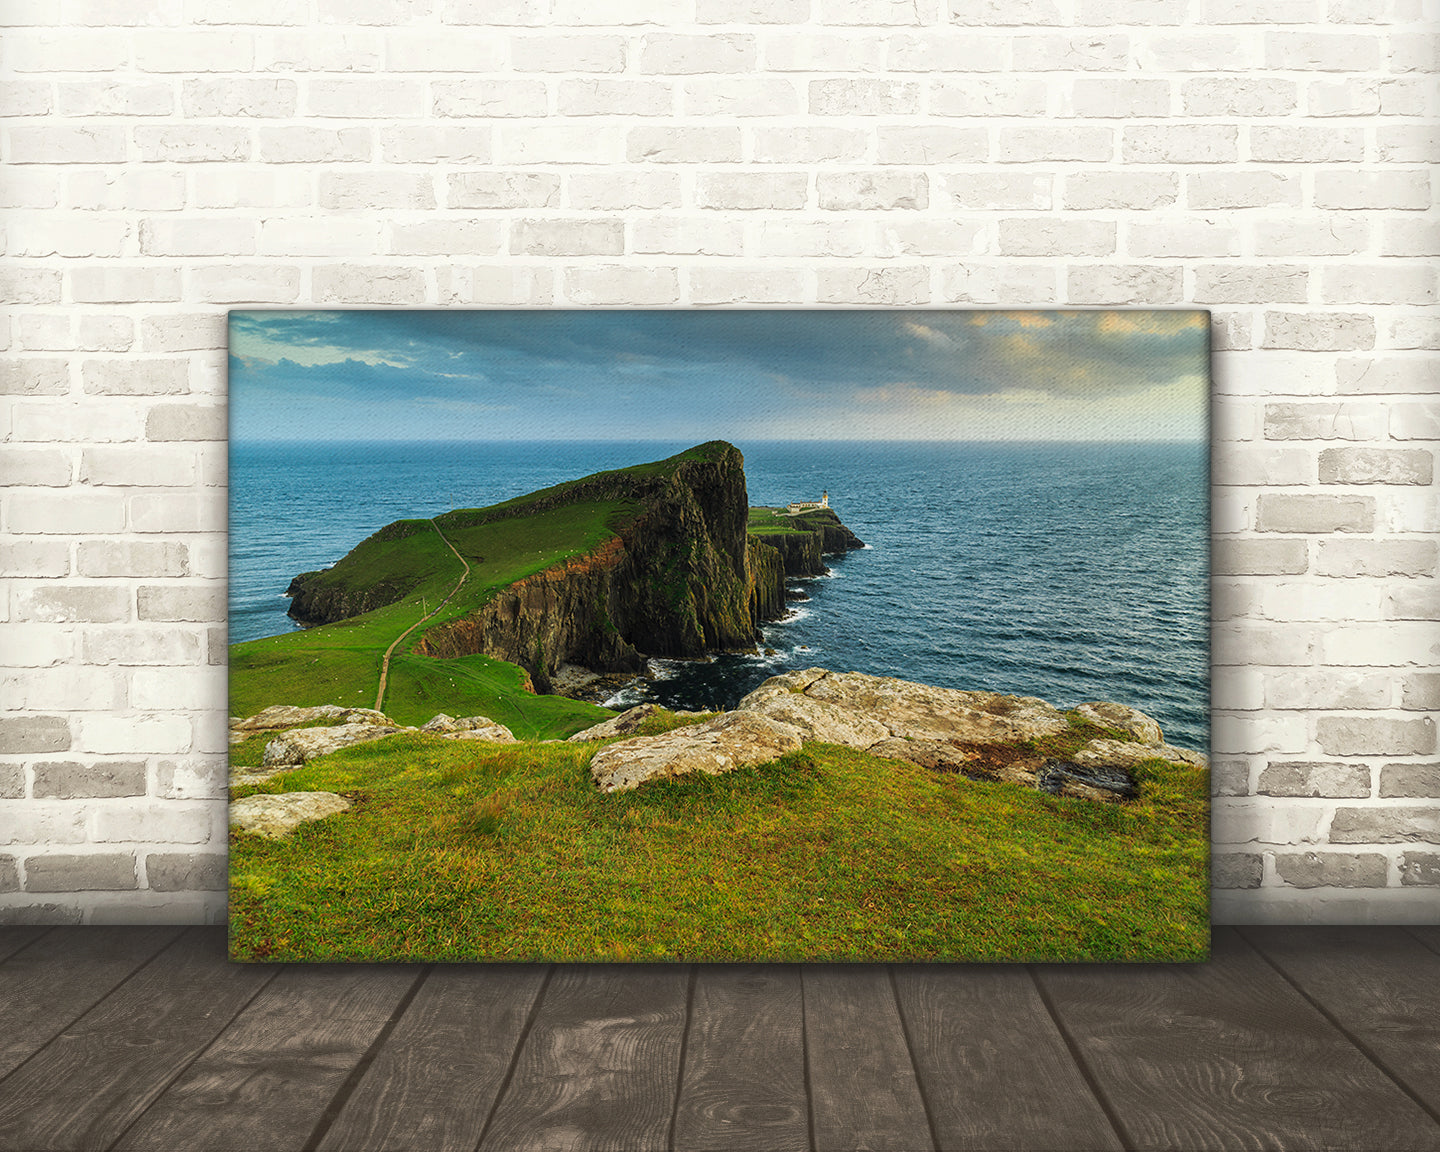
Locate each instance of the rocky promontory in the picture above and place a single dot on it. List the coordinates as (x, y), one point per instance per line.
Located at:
(681, 576)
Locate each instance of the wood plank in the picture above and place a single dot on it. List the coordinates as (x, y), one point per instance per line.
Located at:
(1379, 984)
(995, 1070)
(436, 1079)
(864, 1094)
(268, 1079)
(599, 1067)
(1227, 1055)
(92, 1081)
(744, 1080)
(46, 987)
(1427, 934)
(12, 939)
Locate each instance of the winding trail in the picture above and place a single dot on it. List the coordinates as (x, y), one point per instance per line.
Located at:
(385, 663)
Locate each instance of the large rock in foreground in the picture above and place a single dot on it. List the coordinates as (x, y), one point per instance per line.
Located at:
(985, 735)
(279, 815)
(304, 744)
(731, 740)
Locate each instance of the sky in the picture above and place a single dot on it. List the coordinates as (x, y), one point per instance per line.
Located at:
(629, 374)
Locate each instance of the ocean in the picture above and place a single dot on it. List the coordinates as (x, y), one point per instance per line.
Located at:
(1071, 572)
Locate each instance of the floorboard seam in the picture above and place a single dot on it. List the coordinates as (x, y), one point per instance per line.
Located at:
(29, 943)
(684, 1046)
(1424, 943)
(805, 1068)
(914, 1064)
(140, 967)
(1081, 1064)
(515, 1057)
(1359, 1045)
(352, 1081)
(204, 1048)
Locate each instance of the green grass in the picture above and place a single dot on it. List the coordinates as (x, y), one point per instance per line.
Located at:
(458, 851)
(767, 522)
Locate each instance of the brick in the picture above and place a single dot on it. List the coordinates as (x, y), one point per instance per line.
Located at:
(96, 421)
(1410, 780)
(9, 875)
(251, 186)
(872, 191)
(1242, 189)
(33, 237)
(1350, 558)
(503, 190)
(68, 144)
(426, 144)
(296, 236)
(1255, 643)
(304, 144)
(1180, 144)
(12, 781)
(1379, 645)
(1129, 189)
(1197, 51)
(37, 646)
(683, 145)
(1023, 144)
(752, 190)
(67, 513)
(1420, 691)
(1049, 236)
(186, 871)
(29, 285)
(179, 603)
(1238, 96)
(745, 285)
(686, 236)
(1266, 284)
(1124, 284)
(367, 97)
(446, 238)
(741, 97)
(34, 558)
(989, 284)
(1375, 736)
(1373, 190)
(191, 50)
(235, 96)
(135, 734)
(986, 96)
(135, 377)
(1266, 821)
(21, 734)
(34, 377)
(1376, 466)
(1414, 422)
(1001, 13)
(1295, 144)
(93, 872)
(1408, 144)
(1230, 778)
(194, 778)
(378, 12)
(183, 333)
(1314, 514)
(1386, 825)
(931, 144)
(359, 284)
(622, 284)
(1236, 870)
(1408, 236)
(1332, 869)
(69, 780)
(1300, 778)
(1321, 52)
(1417, 603)
(1332, 688)
(1080, 52)
(1001, 191)
(1420, 868)
(369, 191)
(348, 50)
(239, 284)
(624, 189)
(872, 285)
(139, 646)
(921, 237)
(554, 237)
(132, 285)
(1356, 375)
(489, 98)
(595, 97)
(1310, 236)
(1258, 12)
(495, 285)
(822, 238)
(169, 823)
(45, 913)
(1106, 98)
(873, 12)
(752, 11)
(1393, 283)
(674, 54)
(1325, 421)
(192, 143)
(556, 53)
(863, 96)
(26, 98)
(170, 422)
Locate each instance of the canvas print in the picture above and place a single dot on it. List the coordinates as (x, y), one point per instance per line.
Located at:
(729, 635)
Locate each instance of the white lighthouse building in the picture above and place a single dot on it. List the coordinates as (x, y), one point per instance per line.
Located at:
(809, 505)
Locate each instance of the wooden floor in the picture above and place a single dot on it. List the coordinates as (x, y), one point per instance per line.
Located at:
(1290, 1038)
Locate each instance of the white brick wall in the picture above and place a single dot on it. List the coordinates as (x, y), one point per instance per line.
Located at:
(1269, 159)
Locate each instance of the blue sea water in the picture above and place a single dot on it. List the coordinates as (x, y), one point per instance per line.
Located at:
(1071, 572)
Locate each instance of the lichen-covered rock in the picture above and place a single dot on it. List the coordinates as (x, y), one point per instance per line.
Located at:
(277, 816)
(304, 744)
(732, 740)
(624, 724)
(934, 754)
(279, 717)
(1125, 754)
(1123, 718)
(785, 684)
(467, 728)
(821, 721)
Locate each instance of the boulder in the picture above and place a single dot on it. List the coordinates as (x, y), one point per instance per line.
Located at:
(623, 724)
(304, 744)
(732, 740)
(279, 717)
(787, 683)
(1125, 754)
(277, 816)
(467, 728)
(1123, 718)
(933, 754)
(821, 721)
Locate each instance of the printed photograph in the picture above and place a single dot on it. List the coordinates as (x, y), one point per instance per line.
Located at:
(752, 635)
